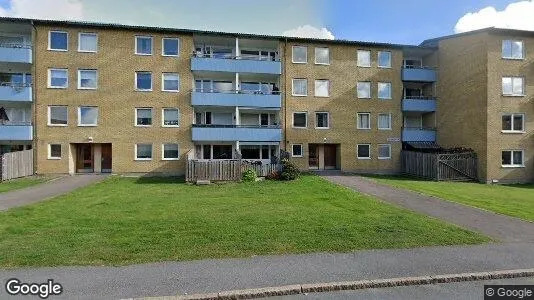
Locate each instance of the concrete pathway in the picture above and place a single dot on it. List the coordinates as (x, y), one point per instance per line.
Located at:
(46, 190)
(500, 227)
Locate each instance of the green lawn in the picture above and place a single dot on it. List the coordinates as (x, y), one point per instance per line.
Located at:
(131, 220)
(513, 200)
(20, 183)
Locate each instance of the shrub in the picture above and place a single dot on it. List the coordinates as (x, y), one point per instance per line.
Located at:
(289, 170)
(249, 175)
(273, 176)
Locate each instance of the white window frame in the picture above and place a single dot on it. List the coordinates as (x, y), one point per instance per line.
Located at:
(301, 150)
(163, 82)
(389, 151)
(358, 120)
(320, 63)
(390, 91)
(327, 119)
(80, 79)
(328, 88)
(151, 81)
(512, 123)
(358, 58)
(50, 40)
(511, 48)
(293, 119)
(163, 116)
(50, 86)
(151, 152)
(293, 87)
(512, 78)
(80, 116)
(512, 165)
(151, 116)
(358, 152)
(163, 152)
(390, 59)
(378, 121)
(163, 46)
(151, 44)
(49, 116)
(293, 55)
(370, 89)
(79, 39)
(50, 152)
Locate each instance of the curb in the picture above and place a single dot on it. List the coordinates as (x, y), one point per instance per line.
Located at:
(348, 285)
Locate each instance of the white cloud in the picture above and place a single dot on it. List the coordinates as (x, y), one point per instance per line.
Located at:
(308, 31)
(517, 15)
(44, 9)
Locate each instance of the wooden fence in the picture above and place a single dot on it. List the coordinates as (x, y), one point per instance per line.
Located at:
(17, 164)
(224, 170)
(440, 166)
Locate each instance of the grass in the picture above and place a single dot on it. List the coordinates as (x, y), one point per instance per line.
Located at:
(131, 220)
(20, 183)
(512, 200)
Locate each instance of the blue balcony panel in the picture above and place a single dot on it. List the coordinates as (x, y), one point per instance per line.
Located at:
(234, 99)
(18, 94)
(16, 55)
(232, 134)
(419, 74)
(235, 65)
(420, 105)
(16, 132)
(418, 135)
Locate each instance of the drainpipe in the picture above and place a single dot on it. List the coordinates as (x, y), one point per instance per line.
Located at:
(34, 94)
(282, 62)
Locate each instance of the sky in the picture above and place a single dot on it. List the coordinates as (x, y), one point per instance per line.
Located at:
(392, 21)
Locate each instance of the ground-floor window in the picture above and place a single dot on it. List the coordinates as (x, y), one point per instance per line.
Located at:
(512, 158)
(143, 151)
(257, 151)
(54, 151)
(364, 151)
(170, 151)
(296, 150)
(384, 151)
(213, 151)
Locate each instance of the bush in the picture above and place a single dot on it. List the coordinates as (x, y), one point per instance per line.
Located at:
(289, 170)
(249, 175)
(273, 176)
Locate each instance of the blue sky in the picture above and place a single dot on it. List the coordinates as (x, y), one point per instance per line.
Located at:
(406, 21)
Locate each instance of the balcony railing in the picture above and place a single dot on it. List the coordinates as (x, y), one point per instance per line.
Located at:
(263, 99)
(420, 97)
(16, 131)
(16, 53)
(11, 91)
(235, 64)
(234, 126)
(231, 56)
(419, 73)
(419, 103)
(418, 134)
(232, 133)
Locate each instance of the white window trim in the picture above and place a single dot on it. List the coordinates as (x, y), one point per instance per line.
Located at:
(357, 58)
(163, 151)
(523, 54)
(80, 116)
(293, 56)
(163, 46)
(151, 82)
(378, 122)
(143, 159)
(163, 117)
(390, 60)
(514, 95)
(390, 91)
(370, 90)
(80, 80)
(301, 150)
(50, 78)
(357, 148)
(512, 165)
(49, 116)
(327, 118)
(50, 152)
(293, 87)
(315, 88)
(293, 119)
(151, 45)
(163, 82)
(358, 121)
(50, 41)
(318, 63)
(87, 33)
(383, 157)
(512, 123)
(151, 115)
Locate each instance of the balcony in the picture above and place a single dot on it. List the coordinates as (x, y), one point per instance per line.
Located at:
(416, 134)
(16, 93)
(419, 104)
(16, 132)
(15, 53)
(236, 98)
(420, 74)
(232, 133)
(235, 65)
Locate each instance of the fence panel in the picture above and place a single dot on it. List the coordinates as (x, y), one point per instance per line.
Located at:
(440, 166)
(225, 170)
(17, 164)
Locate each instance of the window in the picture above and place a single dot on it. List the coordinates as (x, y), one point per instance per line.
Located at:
(170, 82)
(364, 121)
(169, 152)
(58, 41)
(171, 117)
(512, 49)
(512, 86)
(87, 42)
(143, 116)
(384, 59)
(143, 81)
(322, 88)
(54, 151)
(222, 151)
(143, 45)
(364, 151)
(300, 120)
(513, 123)
(87, 116)
(58, 116)
(364, 58)
(58, 78)
(143, 151)
(322, 56)
(384, 151)
(300, 87)
(364, 90)
(384, 121)
(512, 158)
(296, 150)
(321, 120)
(170, 46)
(384, 90)
(87, 79)
(300, 55)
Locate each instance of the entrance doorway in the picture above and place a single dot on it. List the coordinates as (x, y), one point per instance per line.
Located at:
(323, 156)
(92, 158)
(106, 162)
(85, 158)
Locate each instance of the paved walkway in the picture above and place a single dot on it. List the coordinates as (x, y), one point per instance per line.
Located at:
(500, 227)
(46, 190)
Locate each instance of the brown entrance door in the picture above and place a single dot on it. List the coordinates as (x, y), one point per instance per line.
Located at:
(313, 157)
(84, 158)
(106, 158)
(330, 156)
